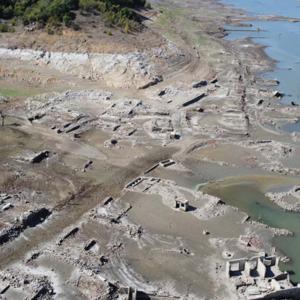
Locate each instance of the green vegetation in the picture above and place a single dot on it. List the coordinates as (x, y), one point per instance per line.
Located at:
(4, 28)
(54, 13)
(18, 92)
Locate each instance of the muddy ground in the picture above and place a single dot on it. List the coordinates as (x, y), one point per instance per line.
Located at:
(85, 113)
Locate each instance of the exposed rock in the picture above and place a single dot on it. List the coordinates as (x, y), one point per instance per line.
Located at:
(128, 70)
(153, 82)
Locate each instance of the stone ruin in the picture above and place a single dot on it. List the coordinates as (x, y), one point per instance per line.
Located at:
(259, 277)
(181, 204)
(166, 163)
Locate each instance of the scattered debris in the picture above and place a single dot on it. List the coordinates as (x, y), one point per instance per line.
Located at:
(37, 116)
(253, 242)
(200, 84)
(7, 206)
(175, 135)
(87, 165)
(153, 82)
(121, 214)
(260, 278)
(185, 251)
(103, 260)
(46, 290)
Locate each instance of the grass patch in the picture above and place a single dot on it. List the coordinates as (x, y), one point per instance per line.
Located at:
(168, 15)
(200, 40)
(179, 23)
(12, 92)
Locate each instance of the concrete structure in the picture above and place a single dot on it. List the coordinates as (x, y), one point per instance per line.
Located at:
(259, 277)
(134, 182)
(181, 204)
(166, 163)
(128, 293)
(235, 267)
(194, 100)
(151, 169)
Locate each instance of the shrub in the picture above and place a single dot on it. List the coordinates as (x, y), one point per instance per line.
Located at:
(52, 13)
(4, 27)
(14, 22)
(88, 5)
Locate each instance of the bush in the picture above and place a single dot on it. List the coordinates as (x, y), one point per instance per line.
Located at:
(88, 5)
(52, 13)
(14, 22)
(4, 28)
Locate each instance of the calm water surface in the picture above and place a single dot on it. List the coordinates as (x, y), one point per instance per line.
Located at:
(247, 196)
(282, 39)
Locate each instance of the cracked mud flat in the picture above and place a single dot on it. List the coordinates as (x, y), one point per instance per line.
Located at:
(87, 209)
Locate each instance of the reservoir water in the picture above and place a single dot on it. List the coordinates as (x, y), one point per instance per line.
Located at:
(282, 39)
(247, 194)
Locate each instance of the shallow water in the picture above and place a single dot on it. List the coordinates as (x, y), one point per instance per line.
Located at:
(247, 195)
(282, 39)
(291, 127)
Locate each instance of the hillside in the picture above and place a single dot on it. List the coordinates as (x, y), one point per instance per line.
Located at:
(53, 14)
